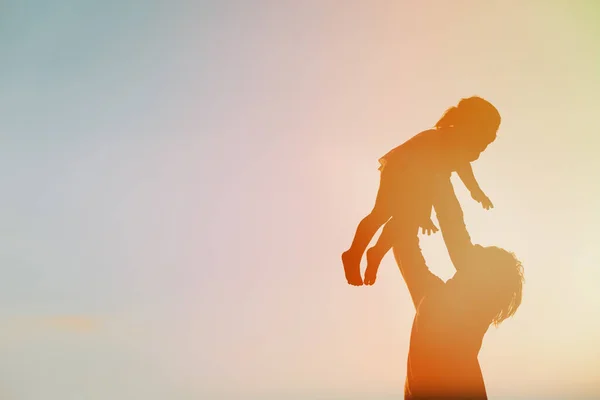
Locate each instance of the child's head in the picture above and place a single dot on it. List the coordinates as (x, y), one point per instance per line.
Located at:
(475, 122)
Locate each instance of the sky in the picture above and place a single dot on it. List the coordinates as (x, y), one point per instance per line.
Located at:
(180, 179)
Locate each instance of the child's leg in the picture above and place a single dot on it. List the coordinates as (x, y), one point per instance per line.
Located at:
(376, 253)
(366, 230)
(364, 234)
(418, 208)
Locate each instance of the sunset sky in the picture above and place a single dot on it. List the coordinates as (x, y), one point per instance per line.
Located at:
(180, 179)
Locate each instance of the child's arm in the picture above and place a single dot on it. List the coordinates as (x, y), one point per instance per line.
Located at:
(466, 175)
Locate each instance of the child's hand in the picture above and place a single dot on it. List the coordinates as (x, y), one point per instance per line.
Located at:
(428, 227)
(485, 201)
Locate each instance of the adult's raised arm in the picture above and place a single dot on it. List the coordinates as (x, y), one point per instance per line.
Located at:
(452, 224)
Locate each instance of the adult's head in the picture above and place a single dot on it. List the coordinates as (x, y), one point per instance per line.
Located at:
(474, 123)
(497, 279)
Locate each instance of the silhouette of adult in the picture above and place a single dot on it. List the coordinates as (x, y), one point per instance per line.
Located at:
(452, 317)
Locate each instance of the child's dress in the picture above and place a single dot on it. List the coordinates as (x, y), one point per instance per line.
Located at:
(417, 152)
(408, 173)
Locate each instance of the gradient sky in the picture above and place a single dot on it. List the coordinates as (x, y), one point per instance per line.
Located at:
(180, 178)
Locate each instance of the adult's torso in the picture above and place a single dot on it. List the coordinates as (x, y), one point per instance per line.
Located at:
(445, 342)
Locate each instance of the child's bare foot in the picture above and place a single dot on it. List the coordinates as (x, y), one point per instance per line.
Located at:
(352, 269)
(373, 261)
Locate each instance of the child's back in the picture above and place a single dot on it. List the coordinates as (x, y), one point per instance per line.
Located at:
(422, 153)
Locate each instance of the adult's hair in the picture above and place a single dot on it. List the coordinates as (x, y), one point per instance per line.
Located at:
(503, 273)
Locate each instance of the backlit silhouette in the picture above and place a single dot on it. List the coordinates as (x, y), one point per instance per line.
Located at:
(408, 172)
(451, 317)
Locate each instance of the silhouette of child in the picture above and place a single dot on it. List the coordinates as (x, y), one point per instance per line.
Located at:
(409, 172)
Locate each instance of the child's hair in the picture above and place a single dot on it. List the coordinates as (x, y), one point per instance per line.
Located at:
(474, 111)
